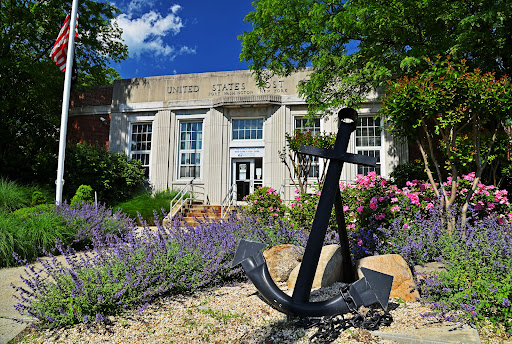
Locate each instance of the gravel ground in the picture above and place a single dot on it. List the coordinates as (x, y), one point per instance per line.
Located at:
(228, 314)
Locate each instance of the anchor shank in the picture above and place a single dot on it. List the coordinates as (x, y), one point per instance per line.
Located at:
(311, 256)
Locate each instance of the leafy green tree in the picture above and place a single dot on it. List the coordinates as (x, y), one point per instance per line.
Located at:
(461, 109)
(358, 45)
(31, 83)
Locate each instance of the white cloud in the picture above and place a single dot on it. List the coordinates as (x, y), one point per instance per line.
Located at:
(148, 33)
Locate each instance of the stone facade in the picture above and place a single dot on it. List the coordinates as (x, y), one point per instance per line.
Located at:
(218, 130)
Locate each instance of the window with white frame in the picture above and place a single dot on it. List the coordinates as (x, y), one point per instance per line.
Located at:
(247, 129)
(140, 148)
(369, 142)
(190, 149)
(305, 125)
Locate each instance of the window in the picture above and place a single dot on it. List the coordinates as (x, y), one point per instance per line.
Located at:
(247, 129)
(368, 142)
(140, 148)
(190, 149)
(303, 125)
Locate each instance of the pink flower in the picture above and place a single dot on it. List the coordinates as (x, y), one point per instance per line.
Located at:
(394, 200)
(360, 209)
(318, 193)
(381, 199)
(352, 213)
(271, 208)
(406, 226)
(296, 191)
(490, 205)
(345, 208)
(395, 208)
(297, 198)
(255, 201)
(429, 206)
(373, 206)
(360, 242)
(381, 216)
(351, 226)
(479, 206)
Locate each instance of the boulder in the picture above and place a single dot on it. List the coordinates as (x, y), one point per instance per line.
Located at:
(281, 260)
(328, 271)
(392, 264)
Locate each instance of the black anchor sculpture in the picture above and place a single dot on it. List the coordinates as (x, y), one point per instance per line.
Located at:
(372, 288)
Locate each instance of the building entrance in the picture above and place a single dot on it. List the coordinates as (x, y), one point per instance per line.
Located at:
(247, 175)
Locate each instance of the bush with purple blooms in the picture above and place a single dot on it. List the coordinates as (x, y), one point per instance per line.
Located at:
(128, 270)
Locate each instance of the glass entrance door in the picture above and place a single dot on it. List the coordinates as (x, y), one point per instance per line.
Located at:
(242, 179)
(247, 175)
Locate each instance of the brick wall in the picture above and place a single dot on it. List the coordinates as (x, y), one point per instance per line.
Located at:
(86, 127)
(89, 128)
(94, 96)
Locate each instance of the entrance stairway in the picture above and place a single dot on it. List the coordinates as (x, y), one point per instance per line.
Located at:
(196, 210)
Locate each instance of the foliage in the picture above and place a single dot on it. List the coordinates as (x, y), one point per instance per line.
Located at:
(298, 164)
(265, 202)
(29, 235)
(144, 205)
(37, 198)
(478, 275)
(372, 202)
(29, 232)
(12, 196)
(303, 209)
(31, 83)
(412, 170)
(112, 175)
(127, 271)
(356, 45)
(83, 194)
(446, 103)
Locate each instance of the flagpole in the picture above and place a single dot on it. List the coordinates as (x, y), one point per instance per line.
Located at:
(65, 103)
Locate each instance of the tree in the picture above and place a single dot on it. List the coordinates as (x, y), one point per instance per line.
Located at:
(31, 84)
(461, 109)
(358, 45)
(298, 164)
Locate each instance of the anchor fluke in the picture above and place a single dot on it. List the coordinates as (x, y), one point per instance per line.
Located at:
(246, 249)
(380, 286)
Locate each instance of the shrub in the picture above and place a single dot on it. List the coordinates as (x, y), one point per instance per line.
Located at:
(127, 271)
(84, 194)
(412, 170)
(38, 198)
(113, 176)
(477, 284)
(265, 202)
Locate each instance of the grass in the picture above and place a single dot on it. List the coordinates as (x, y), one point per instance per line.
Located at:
(14, 196)
(146, 204)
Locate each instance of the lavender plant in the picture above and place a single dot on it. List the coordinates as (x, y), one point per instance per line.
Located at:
(126, 271)
(478, 279)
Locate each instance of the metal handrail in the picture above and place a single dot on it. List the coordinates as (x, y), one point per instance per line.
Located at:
(185, 196)
(228, 201)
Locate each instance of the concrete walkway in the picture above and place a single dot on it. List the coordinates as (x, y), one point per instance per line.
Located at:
(8, 328)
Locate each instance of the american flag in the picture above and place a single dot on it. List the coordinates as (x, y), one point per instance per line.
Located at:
(60, 48)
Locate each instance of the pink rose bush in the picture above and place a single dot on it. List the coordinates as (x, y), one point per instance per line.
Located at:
(373, 201)
(265, 202)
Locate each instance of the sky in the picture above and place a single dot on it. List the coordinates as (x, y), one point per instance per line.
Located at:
(181, 37)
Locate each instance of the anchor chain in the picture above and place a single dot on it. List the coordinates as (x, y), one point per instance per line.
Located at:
(329, 328)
